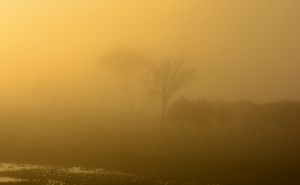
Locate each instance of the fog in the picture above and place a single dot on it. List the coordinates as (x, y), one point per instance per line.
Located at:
(72, 83)
(237, 46)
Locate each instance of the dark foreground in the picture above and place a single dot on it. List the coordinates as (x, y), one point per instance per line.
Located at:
(25, 174)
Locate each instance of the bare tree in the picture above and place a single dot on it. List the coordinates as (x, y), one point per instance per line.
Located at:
(165, 79)
(124, 62)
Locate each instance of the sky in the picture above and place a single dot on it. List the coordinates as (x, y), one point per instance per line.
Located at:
(241, 49)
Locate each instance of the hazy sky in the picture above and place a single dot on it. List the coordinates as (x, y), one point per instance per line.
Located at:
(245, 49)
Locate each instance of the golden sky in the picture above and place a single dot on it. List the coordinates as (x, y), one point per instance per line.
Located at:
(243, 49)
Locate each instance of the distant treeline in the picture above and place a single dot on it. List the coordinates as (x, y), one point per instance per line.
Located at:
(247, 115)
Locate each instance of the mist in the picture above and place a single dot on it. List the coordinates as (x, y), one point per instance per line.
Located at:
(169, 88)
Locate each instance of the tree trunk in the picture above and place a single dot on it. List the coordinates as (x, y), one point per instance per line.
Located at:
(163, 112)
(130, 100)
(125, 83)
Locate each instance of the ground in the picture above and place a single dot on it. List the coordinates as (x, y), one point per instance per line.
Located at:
(26, 174)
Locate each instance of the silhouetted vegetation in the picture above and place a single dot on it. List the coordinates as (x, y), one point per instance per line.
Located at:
(165, 79)
(252, 118)
(125, 63)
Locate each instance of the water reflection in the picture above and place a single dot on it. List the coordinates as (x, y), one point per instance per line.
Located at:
(48, 174)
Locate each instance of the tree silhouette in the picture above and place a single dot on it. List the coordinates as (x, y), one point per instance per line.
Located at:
(165, 79)
(124, 62)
